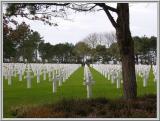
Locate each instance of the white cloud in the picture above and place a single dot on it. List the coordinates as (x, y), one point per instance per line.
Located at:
(143, 19)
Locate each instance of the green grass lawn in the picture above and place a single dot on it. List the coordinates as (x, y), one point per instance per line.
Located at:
(18, 94)
(103, 87)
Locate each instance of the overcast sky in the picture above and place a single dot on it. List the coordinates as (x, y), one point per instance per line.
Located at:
(143, 21)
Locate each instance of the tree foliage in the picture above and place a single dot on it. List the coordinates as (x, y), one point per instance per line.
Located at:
(21, 42)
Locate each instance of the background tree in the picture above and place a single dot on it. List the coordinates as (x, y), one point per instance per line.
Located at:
(21, 42)
(16, 37)
(92, 40)
(36, 40)
(82, 50)
(101, 52)
(45, 51)
(109, 38)
(145, 49)
(93, 54)
(30, 46)
(9, 50)
(114, 51)
(20, 36)
(68, 52)
(63, 52)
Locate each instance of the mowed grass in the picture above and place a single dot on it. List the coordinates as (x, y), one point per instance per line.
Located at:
(17, 94)
(103, 87)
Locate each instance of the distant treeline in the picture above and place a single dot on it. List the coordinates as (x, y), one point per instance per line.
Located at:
(23, 43)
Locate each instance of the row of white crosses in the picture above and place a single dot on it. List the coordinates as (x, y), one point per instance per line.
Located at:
(155, 72)
(62, 74)
(143, 71)
(55, 72)
(88, 81)
(114, 72)
(111, 72)
(11, 70)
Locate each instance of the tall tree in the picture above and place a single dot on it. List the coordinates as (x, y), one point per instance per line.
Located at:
(126, 46)
(36, 40)
(20, 37)
(9, 50)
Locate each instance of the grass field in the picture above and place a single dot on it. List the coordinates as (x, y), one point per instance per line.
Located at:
(39, 94)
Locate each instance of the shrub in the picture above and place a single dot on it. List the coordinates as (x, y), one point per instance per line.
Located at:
(141, 107)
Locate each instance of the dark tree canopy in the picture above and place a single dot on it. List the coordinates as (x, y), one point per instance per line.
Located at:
(21, 42)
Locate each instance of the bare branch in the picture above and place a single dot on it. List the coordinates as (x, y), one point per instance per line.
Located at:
(111, 8)
(36, 7)
(111, 18)
(56, 4)
(106, 9)
(82, 9)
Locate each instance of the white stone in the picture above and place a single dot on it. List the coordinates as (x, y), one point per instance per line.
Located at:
(9, 79)
(118, 83)
(20, 75)
(88, 81)
(28, 77)
(38, 76)
(49, 76)
(54, 84)
(44, 74)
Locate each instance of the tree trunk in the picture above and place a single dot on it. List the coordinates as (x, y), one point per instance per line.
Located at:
(136, 55)
(126, 46)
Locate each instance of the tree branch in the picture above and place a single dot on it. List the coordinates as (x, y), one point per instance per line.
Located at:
(76, 7)
(56, 4)
(111, 8)
(110, 18)
(81, 9)
(106, 9)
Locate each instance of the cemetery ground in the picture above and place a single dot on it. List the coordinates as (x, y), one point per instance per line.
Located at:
(70, 100)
